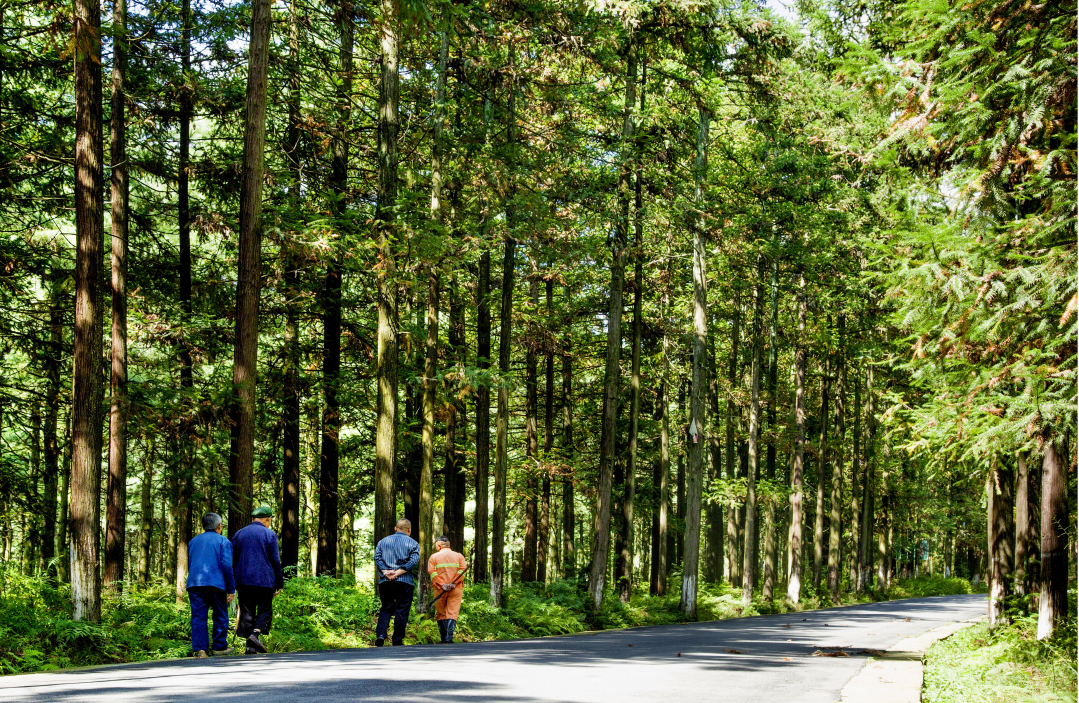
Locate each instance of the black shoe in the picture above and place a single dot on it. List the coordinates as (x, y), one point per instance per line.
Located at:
(380, 641)
(442, 631)
(253, 642)
(398, 641)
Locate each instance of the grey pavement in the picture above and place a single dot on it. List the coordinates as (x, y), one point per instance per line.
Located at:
(733, 661)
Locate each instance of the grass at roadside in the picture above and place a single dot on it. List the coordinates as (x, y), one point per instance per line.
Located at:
(1008, 665)
(37, 633)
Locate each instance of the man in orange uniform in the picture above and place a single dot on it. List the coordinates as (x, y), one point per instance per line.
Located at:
(447, 570)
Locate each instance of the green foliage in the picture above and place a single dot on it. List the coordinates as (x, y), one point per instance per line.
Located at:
(924, 586)
(1005, 665)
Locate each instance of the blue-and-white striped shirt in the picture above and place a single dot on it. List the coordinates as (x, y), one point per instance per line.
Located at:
(398, 551)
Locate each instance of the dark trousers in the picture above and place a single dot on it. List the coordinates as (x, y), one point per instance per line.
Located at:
(203, 598)
(396, 602)
(256, 609)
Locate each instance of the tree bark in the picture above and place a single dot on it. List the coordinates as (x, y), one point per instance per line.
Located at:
(733, 554)
(658, 585)
(385, 218)
(86, 367)
(794, 582)
(569, 549)
(245, 355)
(1001, 524)
(528, 555)
(483, 418)
(770, 541)
(835, 528)
(750, 557)
(53, 352)
(456, 436)
(1053, 601)
(290, 460)
(822, 471)
(498, 526)
(426, 503)
(1025, 510)
(548, 444)
(146, 516)
(330, 456)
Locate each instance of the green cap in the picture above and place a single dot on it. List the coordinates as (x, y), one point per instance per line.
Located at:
(262, 511)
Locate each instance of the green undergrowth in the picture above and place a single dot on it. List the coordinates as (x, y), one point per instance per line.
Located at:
(1005, 665)
(37, 632)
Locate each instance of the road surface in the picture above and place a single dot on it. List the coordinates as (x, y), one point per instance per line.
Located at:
(729, 661)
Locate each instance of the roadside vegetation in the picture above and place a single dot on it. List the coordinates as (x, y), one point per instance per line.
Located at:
(1007, 664)
(37, 632)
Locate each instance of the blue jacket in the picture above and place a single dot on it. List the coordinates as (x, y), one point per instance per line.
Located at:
(209, 562)
(256, 559)
(398, 551)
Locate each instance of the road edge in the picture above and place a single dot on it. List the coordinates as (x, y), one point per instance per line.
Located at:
(898, 675)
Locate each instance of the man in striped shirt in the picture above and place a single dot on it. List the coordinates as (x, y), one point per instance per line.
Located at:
(395, 558)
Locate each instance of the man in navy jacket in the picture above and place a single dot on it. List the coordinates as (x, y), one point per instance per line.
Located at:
(210, 584)
(257, 562)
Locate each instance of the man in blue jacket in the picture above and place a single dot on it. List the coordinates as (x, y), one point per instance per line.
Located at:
(210, 585)
(395, 558)
(258, 577)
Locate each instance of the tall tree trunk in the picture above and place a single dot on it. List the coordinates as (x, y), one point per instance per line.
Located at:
(1001, 521)
(498, 523)
(456, 480)
(697, 411)
(612, 372)
(63, 529)
(750, 555)
(794, 583)
(713, 571)
(290, 460)
(426, 498)
(116, 490)
(569, 547)
(733, 560)
(1024, 524)
(146, 515)
(385, 217)
(53, 352)
(770, 541)
(483, 418)
(1053, 602)
(822, 471)
(86, 367)
(245, 355)
(835, 528)
(859, 472)
(548, 444)
(662, 474)
(330, 456)
(679, 536)
(528, 554)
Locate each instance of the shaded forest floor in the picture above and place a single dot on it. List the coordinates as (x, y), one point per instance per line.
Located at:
(37, 633)
(1008, 665)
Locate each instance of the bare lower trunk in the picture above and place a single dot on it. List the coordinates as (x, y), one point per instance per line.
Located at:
(498, 524)
(750, 557)
(770, 541)
(835, 528)
(483, 419)
(1053, 602)
(794, 583)
(822, 471)
(146, 515)
(528, 555)
(548, 447)
(424, 533)
(1025, 510)
(1000, 500)
(569, 547)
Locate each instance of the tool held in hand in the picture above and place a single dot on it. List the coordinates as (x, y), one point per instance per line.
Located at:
(431, 608)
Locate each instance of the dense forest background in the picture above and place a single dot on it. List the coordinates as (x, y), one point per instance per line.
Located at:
(635, 293)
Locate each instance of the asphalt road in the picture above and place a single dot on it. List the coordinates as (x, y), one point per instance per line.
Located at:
(733, 661)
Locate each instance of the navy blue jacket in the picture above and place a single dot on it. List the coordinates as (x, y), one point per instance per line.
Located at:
(398, 551)
(209, 562)
(255, 557)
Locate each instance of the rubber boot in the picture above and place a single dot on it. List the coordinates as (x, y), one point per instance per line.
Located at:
(451, 626)
(442, 631)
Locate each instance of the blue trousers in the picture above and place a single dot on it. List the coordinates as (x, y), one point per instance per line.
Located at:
(396, 603)
(203, 598)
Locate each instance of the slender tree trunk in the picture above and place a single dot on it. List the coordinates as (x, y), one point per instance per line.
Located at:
(569, 547)
(483, 418)
(660, 538)
(528, 554)
(146, 515)
(54, 349)
(290, 461)
(733, 559)
(245, 355)
(750, 557)
(116, 491)
(456, 485)
(794, 583)
(63, 530)
(548, 445)
(86, 367)
(713, 570)
(330, 456)
(835, 528)
(697, 411)
(1024, 524)
(770, 541)
(1001, 539)
(679, 537)
(498, 524)
(822, 471)
(612, 373)
(385, 217)
(1053, 601)
(426, 503)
